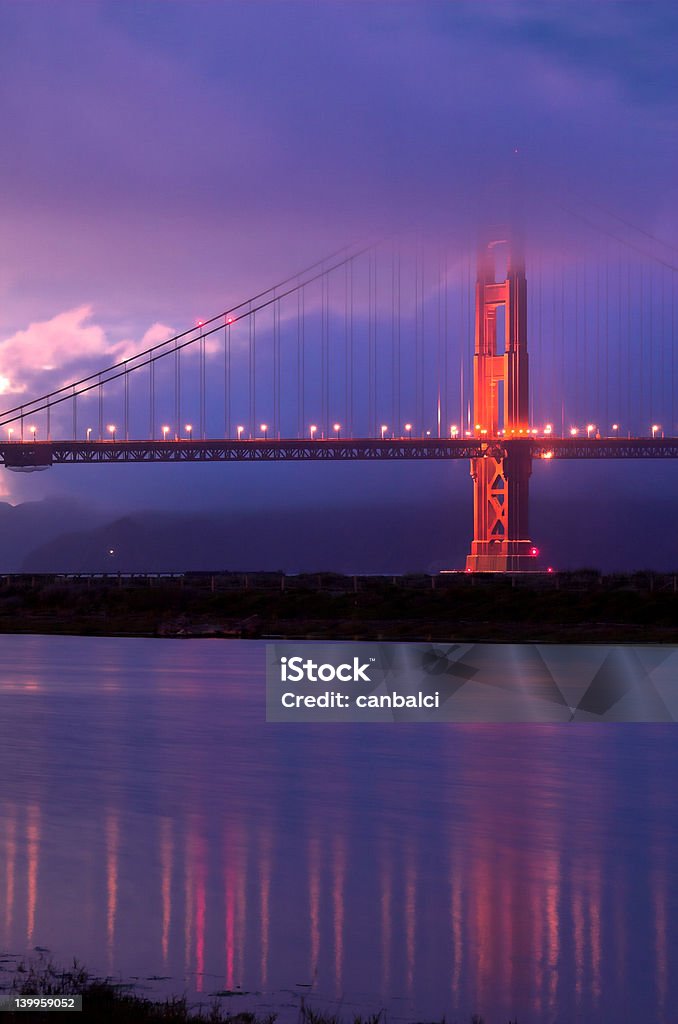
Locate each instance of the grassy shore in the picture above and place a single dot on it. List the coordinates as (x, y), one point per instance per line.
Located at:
(106, 1003)
(568, 607)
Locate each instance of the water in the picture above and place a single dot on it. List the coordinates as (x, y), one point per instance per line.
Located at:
(153, 825)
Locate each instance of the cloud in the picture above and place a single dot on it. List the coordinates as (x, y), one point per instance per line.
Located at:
(45, 346)
(49, 353)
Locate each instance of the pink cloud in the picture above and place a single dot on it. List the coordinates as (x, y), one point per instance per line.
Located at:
(49, 353)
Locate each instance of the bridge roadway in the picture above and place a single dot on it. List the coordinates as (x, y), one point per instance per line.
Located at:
(34, 455)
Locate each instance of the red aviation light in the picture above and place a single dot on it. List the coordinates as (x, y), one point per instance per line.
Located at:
(534, 552)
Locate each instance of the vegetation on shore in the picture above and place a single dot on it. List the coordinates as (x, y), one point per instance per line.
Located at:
(106, 1003)
(568, 607)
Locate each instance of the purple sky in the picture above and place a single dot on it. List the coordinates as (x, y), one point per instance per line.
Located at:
(164, 160)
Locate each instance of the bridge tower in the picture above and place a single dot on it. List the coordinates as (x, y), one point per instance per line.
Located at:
(501, 479)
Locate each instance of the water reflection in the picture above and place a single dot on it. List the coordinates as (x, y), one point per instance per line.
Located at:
(432, 870)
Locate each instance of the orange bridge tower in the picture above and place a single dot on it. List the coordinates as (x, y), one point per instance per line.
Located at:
(501, 478)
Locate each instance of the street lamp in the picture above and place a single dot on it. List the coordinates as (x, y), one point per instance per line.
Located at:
(408, 429)
(548, 429)
(655, 428)
(313, 431)
(165, 432)
(615, 427)
(89, 433)
(589, 428)
(264, 430)
(384, 428)
(111, 430)
(574, 431)
(10, 431)
(454, 431)
(33, 431)
(337, 429)
(189, 430)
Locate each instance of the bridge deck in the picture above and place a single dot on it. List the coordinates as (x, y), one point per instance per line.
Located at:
(27, 455)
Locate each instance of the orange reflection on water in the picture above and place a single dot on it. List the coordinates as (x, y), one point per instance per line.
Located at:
(314, 903)
(188, 902)
(410, 912)
(240, 901)
(10, 868)
(385, 876)
(112, 831)
(456, 925)
(264, 903)
(235, 882)
(552, 903)
(166, 850)
(200, 880)
(33, 857)
(195, 897)
(338, 879)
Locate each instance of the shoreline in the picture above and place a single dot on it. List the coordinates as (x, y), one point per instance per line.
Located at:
(582, 607)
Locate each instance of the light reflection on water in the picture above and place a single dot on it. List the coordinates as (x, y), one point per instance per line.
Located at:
(152, 823)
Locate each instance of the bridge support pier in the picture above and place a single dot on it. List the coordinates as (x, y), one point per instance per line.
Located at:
(501, 479)
(500, 512)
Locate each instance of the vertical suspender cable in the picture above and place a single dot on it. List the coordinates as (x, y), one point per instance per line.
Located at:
(300, 412)
(303, 362)
(203, 387)
(351, 336)
(393, 337)
(101, 409)
(370, 410)
(628, 348)
(641, 333)
(250, 370)
(463, 345)
(227, 379)
(650, 337)
(446, 340)
(375, 346)
(439, 340)
(126, 412)
(398, 388)
(347, 364)
(323, 356)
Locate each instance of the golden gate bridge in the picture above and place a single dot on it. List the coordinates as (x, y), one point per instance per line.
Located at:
(392, 352)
